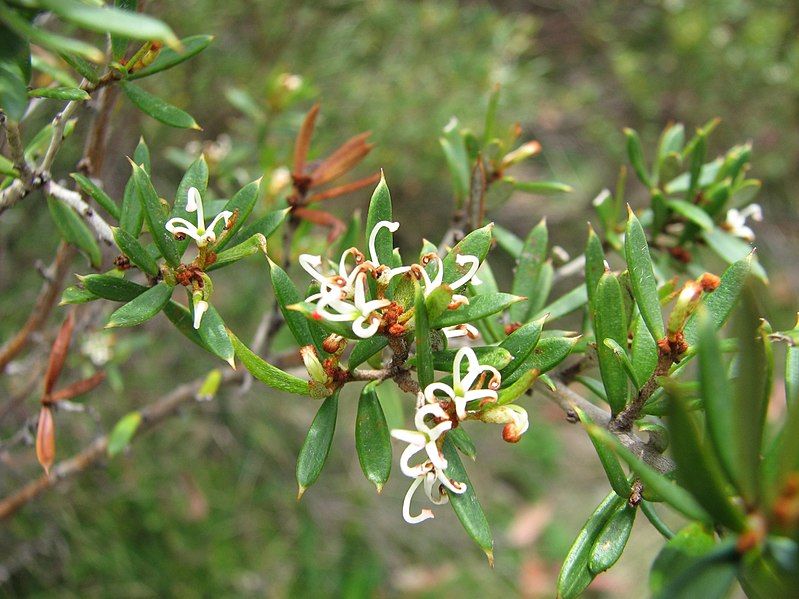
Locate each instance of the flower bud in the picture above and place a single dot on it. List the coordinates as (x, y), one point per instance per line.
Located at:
(333, 344)
(512, 416)
(45, 439)
(312, 364)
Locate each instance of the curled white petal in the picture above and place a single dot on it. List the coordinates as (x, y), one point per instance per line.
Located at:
(224, 215)
(474, 364)
(425, 514)
(462, 260)
(429, 391)
(364, 332)
(383, 224)
(432, 484)
(454, 486)
(193, 200)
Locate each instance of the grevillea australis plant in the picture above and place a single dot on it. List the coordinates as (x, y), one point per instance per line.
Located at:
(676, 413)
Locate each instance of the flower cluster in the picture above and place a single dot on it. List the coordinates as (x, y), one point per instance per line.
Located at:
(437, 414)
(344, 294)
(735, 222)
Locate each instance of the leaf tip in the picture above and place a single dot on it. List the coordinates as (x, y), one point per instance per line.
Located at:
(490, 557)
(301, 491)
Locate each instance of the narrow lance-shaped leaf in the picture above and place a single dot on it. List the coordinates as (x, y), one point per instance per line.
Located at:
(74, 230)
(424, 353)
(644, 351)
(113, 288)
(372, 439)
(242, 204)
(477, 243)
(266, 225)
(575, 575)
(642, 276)
(565, 304)
(549, 352)
(610, 463)
(478, 307)
(380, 210)
(610, 324)
(690, 543)
(97, 194)
(180, 316)
(135, 252)
(60, 93)
(528, 266)
(697, 469)
(674, 495)
(248, 247)
(122, 433)
(155, 216)
(520, 343)
(141, 308)
(169, 58)
(365, 349)
(213, 332)
(466, 505)
(594, 266)
(265, 372)
(159, 109)
(612, 540)
(636, 156)
(462, 441)
(316, 446)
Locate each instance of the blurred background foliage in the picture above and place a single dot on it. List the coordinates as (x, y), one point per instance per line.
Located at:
(205, 505)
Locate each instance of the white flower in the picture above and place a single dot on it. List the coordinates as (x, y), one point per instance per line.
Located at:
(344, 280)
(736, 221)
(198, 232)
(461, 330)
(461, 392)
(362, 312)
(384, 271)
(200, 308)
(430, 471)
(438, 279)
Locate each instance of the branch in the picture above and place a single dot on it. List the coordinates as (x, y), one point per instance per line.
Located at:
(151, 415)
(73, 199)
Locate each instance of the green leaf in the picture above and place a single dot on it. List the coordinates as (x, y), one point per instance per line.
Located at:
(157, 108)
(466, 505)
(286, 294)
(463, 441)
(548, 353)
(74, 230)
(135, 252)
(693, 541)
(59, 93)
(709, 576)
(610, 463)
(155, 215)
(733, 249)
(317, 443)
(437, 302)
(565, 304)
(266, 225)
(142, 307)
(424, 355)
(636, 155)
(719, 304)
(169, 58)
(266, 373)
(508, 241)
(365, 349)
(457, 162)
(692, 213)
(478, 307)
(610, 323)
(76, 295)
(13, 90)
(543, 188)
(180, 316)
(594, 266)
(697, 468)
(241, 204)
(106, 19)
(97, 194)
(575, 575)
(112, 288)
(380, 210)
(671, 493)
(644, 351)
(213, 332)
(717, 395)
(520, 343)
(612, 540)
(642, 276)
(84, 68)
(528, 267)
(477, 243)
(131, 215)
(122, 433)
(47, 39)
(513, 390)
(372, 439)
(253, 245)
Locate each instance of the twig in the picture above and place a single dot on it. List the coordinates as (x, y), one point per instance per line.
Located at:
(102, 230)
(151, 416)
(17, 150)
(570, 269)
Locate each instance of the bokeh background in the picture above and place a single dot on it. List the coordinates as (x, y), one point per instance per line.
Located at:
(205, 505)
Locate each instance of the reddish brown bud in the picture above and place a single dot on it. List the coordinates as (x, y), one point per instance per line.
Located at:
(510, 433)
(709, 282)
(509, 328)
(45, 439)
